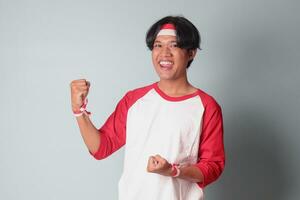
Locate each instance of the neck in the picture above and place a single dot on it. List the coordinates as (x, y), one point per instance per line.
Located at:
(178, 86)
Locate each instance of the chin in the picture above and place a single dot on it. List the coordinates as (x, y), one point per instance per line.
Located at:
(166, 78)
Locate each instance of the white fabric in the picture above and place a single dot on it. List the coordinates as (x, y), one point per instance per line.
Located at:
(167, 32)
(170, 129)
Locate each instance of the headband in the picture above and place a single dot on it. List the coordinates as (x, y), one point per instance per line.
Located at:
(167, 29)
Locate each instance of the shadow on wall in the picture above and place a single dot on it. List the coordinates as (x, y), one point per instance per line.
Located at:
(254, 168)
(257, 167)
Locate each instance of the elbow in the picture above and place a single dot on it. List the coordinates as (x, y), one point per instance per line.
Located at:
(97, 155)
(98, 151)
(94, 154)
(211, 171)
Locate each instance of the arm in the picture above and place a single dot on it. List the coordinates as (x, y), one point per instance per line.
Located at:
(90, 135)
(157, 164)
(111, 136)
(191, 173)
(211, 154)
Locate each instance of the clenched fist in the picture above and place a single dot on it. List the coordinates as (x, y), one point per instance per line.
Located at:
(79, 91)
(159, 165)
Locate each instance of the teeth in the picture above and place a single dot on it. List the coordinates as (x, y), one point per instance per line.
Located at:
(165, 62)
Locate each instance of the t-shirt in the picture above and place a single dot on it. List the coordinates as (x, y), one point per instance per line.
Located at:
(185, 129)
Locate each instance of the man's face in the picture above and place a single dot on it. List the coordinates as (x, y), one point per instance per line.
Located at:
(169, 60)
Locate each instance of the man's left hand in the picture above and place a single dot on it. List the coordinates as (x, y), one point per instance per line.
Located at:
(159, 165)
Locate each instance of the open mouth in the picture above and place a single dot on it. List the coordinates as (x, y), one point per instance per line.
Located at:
(166, 64)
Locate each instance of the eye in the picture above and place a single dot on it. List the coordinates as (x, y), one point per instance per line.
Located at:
(173, 45)
(156, 45)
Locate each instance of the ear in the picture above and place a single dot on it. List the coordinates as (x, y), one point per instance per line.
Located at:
(192, 53)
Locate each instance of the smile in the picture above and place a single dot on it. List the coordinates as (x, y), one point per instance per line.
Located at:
(166, 64)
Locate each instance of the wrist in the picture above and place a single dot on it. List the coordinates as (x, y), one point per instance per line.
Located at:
(82, 110)
(76, 110)
(169, 172)
(175, 170)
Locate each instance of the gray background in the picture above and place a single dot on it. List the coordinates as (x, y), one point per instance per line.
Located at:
(249, 63)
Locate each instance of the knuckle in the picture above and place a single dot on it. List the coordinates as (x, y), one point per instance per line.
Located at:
(74, 88)
(72, 83)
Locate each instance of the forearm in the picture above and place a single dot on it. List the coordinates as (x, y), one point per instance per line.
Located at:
(191, 173)
(89, 133)
(157, 164)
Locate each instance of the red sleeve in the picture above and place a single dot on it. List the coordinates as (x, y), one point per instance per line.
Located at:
(113, 131)
(211, 148)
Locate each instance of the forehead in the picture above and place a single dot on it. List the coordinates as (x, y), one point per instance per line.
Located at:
(165, 38)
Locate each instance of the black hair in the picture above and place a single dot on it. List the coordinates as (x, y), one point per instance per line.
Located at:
(187, 35)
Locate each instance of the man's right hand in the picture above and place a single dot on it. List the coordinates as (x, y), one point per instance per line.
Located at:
(79, 91)
(90, 134)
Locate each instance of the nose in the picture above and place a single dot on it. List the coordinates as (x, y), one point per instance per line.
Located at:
(166, 51)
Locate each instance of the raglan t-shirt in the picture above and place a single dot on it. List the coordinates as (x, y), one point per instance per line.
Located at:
(183, 130)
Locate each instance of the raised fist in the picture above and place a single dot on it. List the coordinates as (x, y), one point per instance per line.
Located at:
(79, 91)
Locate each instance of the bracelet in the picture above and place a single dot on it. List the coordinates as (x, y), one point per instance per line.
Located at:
(175, 170)
(82, 109)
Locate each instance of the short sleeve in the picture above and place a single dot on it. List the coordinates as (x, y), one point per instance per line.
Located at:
(113, 131)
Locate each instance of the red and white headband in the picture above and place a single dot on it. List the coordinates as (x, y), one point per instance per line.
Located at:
(167, 29)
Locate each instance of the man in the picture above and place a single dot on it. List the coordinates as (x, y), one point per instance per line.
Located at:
(172, 131)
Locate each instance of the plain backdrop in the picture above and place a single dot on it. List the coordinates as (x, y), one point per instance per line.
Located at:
(249, 63)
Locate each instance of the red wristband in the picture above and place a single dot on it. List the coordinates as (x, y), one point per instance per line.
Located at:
(82, 109)
(175, 170)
